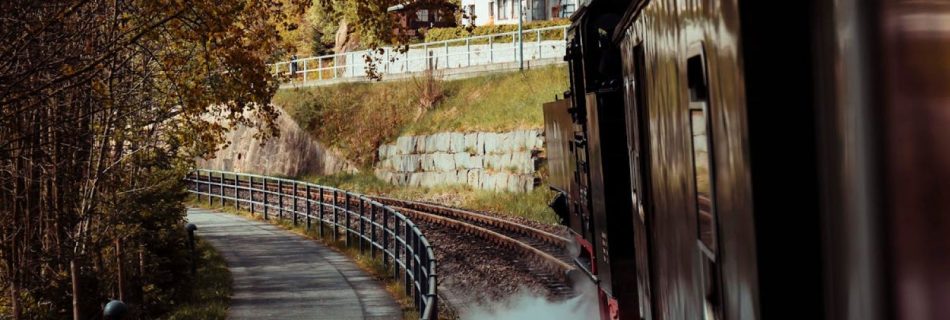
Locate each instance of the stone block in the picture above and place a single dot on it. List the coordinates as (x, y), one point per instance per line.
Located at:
(471, 143)
(405, 145)
(443, 162)
(461, 160)
(419, 144)
(456, 142)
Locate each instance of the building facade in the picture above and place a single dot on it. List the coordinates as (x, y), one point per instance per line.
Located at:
(415, 17)
(492, 12)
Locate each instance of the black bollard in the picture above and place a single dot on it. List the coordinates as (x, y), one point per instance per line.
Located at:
(191, 227)
(114, 310)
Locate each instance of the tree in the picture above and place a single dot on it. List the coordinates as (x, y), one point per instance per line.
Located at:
(103, 107)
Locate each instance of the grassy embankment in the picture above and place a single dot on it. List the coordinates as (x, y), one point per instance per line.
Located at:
(356, 118)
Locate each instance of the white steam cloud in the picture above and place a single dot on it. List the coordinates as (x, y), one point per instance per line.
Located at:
(529, 306)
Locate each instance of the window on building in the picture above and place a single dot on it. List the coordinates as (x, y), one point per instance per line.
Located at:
(537, 9)
(422, 15)
(503, 9)
(491, 9)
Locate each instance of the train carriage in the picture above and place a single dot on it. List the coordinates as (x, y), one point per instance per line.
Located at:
(696, 163)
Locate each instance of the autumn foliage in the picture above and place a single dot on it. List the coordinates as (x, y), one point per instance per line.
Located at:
(103, 107)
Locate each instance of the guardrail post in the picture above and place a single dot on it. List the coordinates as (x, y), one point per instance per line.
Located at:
(307, 190)
(539, 43)
(280, 200)
(336, 223)
(221, 189)
(468, 50)
(514, 45)
(385, 234)
(416, 270)
(372, 231)
(396, 247)
(266, 195)
(210, 193)
(491, 49)
(250, 193)
(294, 198)
(407, 258)
(237, 204)
(346, 217)
(362, 226)
(320, 207)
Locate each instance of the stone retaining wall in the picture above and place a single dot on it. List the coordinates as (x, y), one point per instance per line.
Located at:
(483, 160)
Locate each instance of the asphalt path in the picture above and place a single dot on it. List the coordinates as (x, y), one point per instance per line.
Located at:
(281, 275)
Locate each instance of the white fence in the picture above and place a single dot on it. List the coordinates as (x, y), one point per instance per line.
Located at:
(500, 48)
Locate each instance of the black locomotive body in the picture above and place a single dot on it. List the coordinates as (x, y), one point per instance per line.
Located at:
(715, 157)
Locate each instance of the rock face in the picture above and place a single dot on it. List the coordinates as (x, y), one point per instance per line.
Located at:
(294, 153)
(483, 160)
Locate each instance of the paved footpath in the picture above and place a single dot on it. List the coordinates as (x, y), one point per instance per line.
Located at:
(281, 275)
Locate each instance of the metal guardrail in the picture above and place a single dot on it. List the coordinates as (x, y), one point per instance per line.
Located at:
(379, 227)
(447, 54)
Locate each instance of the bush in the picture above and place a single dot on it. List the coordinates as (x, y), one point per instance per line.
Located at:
(442, 34)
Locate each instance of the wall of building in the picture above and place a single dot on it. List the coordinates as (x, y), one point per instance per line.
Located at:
(484, 17)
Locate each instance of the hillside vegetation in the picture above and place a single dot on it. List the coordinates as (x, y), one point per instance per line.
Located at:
(356, 118)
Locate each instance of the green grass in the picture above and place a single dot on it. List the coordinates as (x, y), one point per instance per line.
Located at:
(356, 118)
(500, 102)
(532, 205)
(210, 291)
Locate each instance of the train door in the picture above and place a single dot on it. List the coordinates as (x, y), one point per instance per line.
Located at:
(638, 149)
(707, 235)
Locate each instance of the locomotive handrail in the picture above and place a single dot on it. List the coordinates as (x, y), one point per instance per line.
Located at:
(417, 268)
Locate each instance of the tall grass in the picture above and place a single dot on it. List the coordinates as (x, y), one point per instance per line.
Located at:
(210, 295)
(356, 118)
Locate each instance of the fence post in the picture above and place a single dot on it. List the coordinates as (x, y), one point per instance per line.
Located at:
(372, 231)
(336, 223)
(395, 247)
(539, 43)
(294, 198)
(237, 193)
(221, 189)
(514, 45)
(491, 49)
(407, 258)
(320, 206)
(362, 226)
(210, 197)
(346, 216)
(335, 65)
(280, 200)
(266, 195)
(446, 54)
(304, 70)
(385, 234)
(308, 206)
(468, 50)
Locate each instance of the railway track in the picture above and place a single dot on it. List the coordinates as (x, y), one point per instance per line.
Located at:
(528, 251)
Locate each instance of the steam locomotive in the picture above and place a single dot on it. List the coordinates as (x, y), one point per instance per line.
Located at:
(715, 158)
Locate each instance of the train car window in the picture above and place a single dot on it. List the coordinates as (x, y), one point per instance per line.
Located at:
(699, 124)
(696, 78)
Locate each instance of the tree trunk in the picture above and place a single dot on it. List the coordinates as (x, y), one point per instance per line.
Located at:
(15, 300)
(74, 274)
(118, 261)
